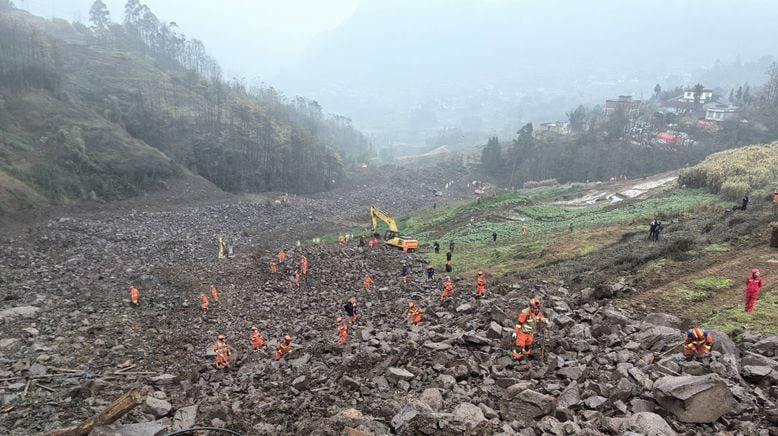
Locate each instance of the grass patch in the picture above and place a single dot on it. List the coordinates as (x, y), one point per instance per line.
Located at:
(717, 248)
(690, 295)
(713, 283)
(764, 318)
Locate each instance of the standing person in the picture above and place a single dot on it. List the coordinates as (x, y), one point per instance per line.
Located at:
(304, 264)
(341, 240)
(361, 241)
(430, 272)
(658, 230)
(414, 313)
(222, 248)
(652, 229)
(753, 284)
(297, 278)
(273, 268)
(745, 201)
(203, 301)
(342, 330)
(404, 273)
(449, 268)
(134, 296)
(448, 289)
(223, 352)
(230, 250)
(351, 309)
(436, 246)
(524, 229)
(281, 256)
(480, 285)
(494, 236)
(367, 282)
(571, 227)
(524, 331)
(214, 294)
(775, 201)
(451, 245)
(448, 256)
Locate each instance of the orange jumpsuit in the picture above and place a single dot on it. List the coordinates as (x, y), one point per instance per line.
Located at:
(367, 282)
(480, 286)
(304, 264)
(697, 348)
(524, 230)
(448, 289)
(203, 302)
(273, 268)
(223, 352)
(134, 295)
(214, 294)
(525, 331)
(257, 340)
(341, 240)
(297, 278)
(281, 256)
(282, 348)
(342, 333)
(414, 313)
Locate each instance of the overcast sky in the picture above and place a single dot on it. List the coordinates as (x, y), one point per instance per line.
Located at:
(248, 37)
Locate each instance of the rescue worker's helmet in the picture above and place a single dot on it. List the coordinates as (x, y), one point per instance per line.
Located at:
(534, 303)
(253, 327)
(480, 273)
(221, 337)
(338, 319)
(287, 338)
(697, 333)
(410, 304)
(754, 270)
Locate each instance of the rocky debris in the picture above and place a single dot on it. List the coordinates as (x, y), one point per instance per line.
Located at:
(140, 429)
(695, 399)
(433, 398)
(399, 374)
(469, 414)
(164, 379)
(642, 423)
(19, 312)
(156, 407)
(184, 418)
(525, 404)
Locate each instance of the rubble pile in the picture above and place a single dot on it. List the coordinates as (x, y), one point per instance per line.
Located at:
(71, 340)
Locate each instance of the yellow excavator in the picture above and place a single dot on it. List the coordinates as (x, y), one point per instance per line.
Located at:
(392, 236)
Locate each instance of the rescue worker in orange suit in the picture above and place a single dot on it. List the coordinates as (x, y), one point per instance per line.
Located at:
(223, 352)
(753, 284)
(283, 347)
(697, 344)
(134, 296)
(256, 338)
(304, 264)
(367, 282)
(524, 229)
(203, 301)
(297, 278)
(214, 294)
(414, 313)
(281, 256)
(273, 268)
(341, 240)
(775, 201)
(448, 289)
(524, 331)
(351, 309)
(342, 330)
(480, 285)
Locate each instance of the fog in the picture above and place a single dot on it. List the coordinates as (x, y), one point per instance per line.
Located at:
(403, 70)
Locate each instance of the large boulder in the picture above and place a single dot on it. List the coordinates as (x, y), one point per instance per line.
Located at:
(469, 414)
(643, 423)
(414, 410)
(185, 418)
(723, 344)
(657, 337)
(525, 404)
(433, 398)
(140, 429)
(20, 311)
(694, 399)
(767, 346)
(664, 320)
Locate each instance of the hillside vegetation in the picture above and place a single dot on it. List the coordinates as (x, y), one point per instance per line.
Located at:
(732, 173)
(114, 110)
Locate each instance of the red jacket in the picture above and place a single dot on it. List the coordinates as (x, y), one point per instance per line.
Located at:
(753, 284)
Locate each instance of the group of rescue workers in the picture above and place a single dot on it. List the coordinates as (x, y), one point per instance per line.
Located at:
(697, 342)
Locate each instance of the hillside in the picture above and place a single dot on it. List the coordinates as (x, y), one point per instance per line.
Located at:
(105, 114)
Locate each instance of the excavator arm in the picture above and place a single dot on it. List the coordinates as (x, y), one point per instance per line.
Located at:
(375, 213)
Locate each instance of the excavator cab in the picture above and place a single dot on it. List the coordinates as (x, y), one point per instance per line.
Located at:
(392, 236)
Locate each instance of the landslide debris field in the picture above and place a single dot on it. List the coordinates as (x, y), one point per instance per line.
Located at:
(71, 341)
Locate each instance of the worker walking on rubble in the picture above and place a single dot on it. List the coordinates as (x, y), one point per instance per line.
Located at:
(223, 352)
(341, 241)
(203, 301)
(134, 295)
(448, 289)
(297, 278)
(524, 229)
(281, 257)
(214, 294)
(283, 347)
(351, 309)
(342, 330)
(256, 338)
(273, 268)
(367, 282)
(753, 284)
(414, 313)
(480, 285)
(524, 331)
(304, 264)
(404, 273)
(697, 344)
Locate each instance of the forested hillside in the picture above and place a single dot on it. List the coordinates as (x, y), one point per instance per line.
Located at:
(112, 110)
